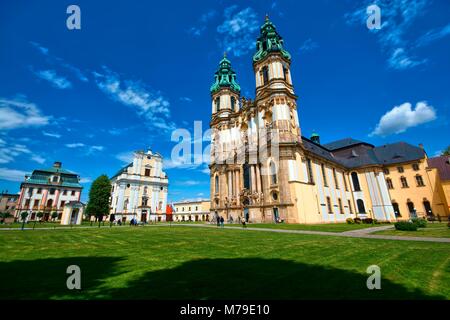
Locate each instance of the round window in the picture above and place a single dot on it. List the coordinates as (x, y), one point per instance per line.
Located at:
(275, 196)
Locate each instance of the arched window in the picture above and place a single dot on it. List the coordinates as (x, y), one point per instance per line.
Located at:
(217, 103)
(355, 180)
(411, 208)
(216, 184)
(233, 102)
(396, 209)
(246, 168)
(427, 207)
(285, 73)
(360, 204)
(273, 173)
(49, 203)
(265, 74)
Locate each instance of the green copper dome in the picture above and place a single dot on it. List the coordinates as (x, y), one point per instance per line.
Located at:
(225, 77)
(269, 41)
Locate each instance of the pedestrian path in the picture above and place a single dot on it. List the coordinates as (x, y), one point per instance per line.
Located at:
(360, 233)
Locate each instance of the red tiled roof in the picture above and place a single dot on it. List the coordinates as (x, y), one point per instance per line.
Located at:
(443, 166)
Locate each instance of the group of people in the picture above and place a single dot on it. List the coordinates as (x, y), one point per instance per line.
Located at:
(220, 221)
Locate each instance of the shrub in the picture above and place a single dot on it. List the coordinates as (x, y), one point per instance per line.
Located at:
(448, 225)
(421, 223)
(357, 220)
(350, 221)
(368, 221)
(405, 226)
(376, 221)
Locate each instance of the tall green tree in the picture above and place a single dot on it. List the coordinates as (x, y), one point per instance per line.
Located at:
(446, 152)
(23, 216)
(99, 194)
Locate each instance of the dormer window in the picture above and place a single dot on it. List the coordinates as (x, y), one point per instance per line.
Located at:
(55, 179)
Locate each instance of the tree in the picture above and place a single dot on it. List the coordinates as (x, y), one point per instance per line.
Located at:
(39, 216)
(54, 215)
(4, 216)
(446, 152)
(99, 195)
(23, 216)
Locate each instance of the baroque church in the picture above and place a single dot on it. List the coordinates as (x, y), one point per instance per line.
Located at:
(263, 170)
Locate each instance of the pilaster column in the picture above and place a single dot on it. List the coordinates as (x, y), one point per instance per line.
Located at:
(57, 192)
(44, 198)
(230, 185)
(237, 184)
(258, 178)
(253, 177)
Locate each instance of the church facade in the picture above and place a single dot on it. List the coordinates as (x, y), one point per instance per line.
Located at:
(139, 190)
(262, 169)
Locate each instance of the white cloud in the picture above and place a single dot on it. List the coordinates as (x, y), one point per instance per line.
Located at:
(93, 149)
(19, 113)
(38, 159)
(402, 117)
(56, 81)
(56, 60)
(400, 60)
(42, 49)
(395, 37)
(86, 148)
(126, 156)
(185, 99)
(238, 30)
(309, 45)
(9, 152)
(204, 19)
(433, 35)
(75, 145)
(86, 180)
(53, 135)
(12, 175)
(147, 103)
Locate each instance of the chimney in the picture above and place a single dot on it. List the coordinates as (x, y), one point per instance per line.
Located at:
(57, 164)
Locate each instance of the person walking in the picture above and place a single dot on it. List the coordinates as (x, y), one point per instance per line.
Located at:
(244, 225)
(222, 220)
(218, 221)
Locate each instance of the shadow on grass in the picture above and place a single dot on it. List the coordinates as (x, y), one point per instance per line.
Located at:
(242, 278)
(255, 278)
(46, 278)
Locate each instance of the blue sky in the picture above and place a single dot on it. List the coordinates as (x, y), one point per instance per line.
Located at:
(139, 69)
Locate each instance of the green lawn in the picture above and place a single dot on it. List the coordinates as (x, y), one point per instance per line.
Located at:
(434, 230)
(328, 227)
(209, 263)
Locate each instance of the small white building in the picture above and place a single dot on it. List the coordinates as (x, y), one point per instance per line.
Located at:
(139, 190)
(72, 213)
